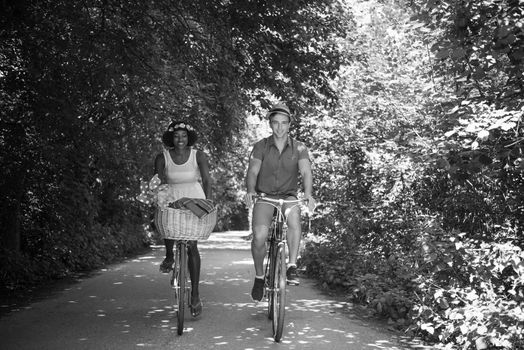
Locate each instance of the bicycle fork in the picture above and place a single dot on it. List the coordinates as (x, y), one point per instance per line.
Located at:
(175, 278)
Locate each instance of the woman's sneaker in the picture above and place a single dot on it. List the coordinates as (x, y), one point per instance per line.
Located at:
(291, 276)
(257, 292)
(167, 265)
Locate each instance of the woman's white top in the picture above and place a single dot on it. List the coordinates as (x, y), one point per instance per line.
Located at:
(183, 179)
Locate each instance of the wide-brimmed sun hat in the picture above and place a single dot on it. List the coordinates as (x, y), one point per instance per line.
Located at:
(280, 108)
(167, 136)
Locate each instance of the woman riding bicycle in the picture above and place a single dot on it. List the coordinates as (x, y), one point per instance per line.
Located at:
(186, 171)
(274, 167)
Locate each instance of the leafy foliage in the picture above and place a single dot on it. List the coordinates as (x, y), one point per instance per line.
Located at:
(478, 48)
(426, 224)
(412, 111)
(87, 89)
(473, 291)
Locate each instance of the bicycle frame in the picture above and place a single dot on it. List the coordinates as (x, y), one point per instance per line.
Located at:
(275, 274)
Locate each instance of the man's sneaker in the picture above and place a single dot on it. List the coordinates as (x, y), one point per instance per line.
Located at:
(167, 265)
(257, 293)
(292, 277)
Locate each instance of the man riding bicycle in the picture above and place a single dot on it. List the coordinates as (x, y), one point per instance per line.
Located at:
(274, 167)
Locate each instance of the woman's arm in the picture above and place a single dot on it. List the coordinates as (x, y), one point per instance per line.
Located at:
(203, 165)
(160, 164)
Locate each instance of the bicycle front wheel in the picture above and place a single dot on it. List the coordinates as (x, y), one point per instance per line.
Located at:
(270, 277)
(181, 267)
(279, 293)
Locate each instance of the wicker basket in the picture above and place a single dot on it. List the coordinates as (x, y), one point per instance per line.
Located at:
(183, 224)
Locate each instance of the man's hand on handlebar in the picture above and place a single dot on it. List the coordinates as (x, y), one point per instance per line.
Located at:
(311, 204)
(248, 199)
(251, 197)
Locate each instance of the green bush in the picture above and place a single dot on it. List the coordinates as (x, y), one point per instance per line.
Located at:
(53, 252)
(470, 293)
(447, 289)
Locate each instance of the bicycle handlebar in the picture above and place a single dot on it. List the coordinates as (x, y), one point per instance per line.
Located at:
(281, 201)
(278, 204)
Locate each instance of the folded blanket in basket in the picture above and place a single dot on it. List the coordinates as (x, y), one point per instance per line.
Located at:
(198, 206)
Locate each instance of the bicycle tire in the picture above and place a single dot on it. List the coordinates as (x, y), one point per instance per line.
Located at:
(270, 280)
(181, 255)
(175, 284)
(279, 293)
(270, 270)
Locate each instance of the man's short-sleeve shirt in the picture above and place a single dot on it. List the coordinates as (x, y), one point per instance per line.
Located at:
(278, 174)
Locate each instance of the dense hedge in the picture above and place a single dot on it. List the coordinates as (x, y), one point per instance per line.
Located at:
(49, 258)
(419, 172)
(436, 284)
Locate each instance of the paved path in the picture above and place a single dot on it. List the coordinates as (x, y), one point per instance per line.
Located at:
(128, 306)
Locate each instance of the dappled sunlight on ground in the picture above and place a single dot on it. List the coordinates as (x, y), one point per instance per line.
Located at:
(226, 240)
(130, 305)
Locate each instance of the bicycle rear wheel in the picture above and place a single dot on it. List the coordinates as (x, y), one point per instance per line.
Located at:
(181, 270)
(279, 293)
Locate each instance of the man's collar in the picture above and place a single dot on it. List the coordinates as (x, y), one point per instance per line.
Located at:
(289, 140)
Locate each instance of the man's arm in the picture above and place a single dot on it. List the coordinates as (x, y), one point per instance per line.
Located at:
(251, 179)
(304, 166)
